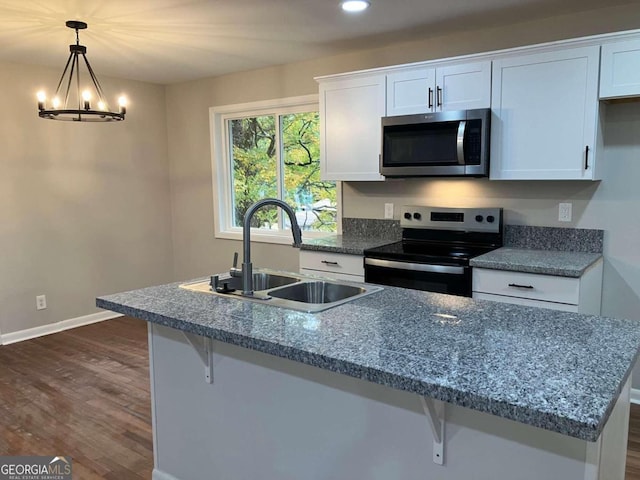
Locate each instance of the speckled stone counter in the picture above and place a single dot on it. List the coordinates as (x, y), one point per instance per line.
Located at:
(358, 234)
(354, 245)
(564, 264)
(550, 369)
(554, 238)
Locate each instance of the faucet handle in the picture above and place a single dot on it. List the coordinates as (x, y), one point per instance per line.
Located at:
(235, 271)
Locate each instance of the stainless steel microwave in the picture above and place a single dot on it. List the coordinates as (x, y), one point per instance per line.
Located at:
(436, 144)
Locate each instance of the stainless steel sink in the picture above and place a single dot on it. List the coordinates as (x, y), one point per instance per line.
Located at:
(287, 290)
(317, 292)
(261, 281)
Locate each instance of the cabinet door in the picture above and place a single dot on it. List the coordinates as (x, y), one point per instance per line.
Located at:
(463, 87)
(545, 110)
(620, 73)
(411, 91)
(350, 120)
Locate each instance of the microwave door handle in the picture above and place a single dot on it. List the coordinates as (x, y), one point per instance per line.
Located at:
(460, 141)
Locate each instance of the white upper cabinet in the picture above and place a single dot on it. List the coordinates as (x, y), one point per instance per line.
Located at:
(545, 110)
(454, 87)
(411, 91)
(620, 72)
(351, 110)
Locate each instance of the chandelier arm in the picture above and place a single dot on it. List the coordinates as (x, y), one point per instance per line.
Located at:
(64, 72)
(73, 67)
(78, 84)
(94, 79)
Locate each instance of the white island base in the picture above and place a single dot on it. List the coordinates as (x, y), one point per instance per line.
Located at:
(268, 418)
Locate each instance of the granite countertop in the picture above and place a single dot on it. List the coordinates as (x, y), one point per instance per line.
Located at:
(565, 264)
(555, 370)
(351, 244)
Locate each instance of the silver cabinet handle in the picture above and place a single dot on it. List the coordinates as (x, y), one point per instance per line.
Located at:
(516, 285)
(327, 262)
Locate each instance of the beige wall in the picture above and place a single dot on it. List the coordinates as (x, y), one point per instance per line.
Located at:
(84, 208)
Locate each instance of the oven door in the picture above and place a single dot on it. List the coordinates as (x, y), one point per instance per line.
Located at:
(451, 279)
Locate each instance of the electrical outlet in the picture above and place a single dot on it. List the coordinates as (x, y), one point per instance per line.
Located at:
(564, 212)
(388, 210)
(41, 302)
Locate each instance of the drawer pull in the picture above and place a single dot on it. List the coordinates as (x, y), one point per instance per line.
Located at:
(327, 262)
(516, 285)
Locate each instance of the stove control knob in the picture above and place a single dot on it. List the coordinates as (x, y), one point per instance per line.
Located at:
(407, 215)
(479, 218)
(490, 218)
(417, 216)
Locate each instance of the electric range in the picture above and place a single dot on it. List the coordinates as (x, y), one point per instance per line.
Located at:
(436, 246)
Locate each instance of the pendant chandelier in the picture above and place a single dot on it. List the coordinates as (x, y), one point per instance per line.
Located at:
(73, 98)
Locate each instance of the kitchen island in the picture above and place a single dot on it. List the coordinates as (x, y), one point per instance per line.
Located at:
(399, 384)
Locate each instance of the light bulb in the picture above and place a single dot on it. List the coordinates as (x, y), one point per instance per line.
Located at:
(354, 5)
(86, 96)
(42, 97)
(101, 105)
(122, 101)
(56, 102)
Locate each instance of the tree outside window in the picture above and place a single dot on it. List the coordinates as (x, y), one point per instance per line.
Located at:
(278, 155)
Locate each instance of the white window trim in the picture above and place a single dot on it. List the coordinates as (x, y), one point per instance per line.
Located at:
(221, 174)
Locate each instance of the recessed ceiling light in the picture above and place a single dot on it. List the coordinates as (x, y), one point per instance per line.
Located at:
(354, 5)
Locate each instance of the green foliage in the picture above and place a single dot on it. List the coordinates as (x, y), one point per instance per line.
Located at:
(255, 170)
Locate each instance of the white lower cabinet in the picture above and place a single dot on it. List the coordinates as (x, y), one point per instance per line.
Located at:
(580, 295)
(340, 266)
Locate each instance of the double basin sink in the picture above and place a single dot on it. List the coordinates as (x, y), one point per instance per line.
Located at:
(287, 290)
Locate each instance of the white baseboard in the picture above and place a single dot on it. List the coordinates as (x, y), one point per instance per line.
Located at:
(160, 475)
(635, 396)
(35, 332)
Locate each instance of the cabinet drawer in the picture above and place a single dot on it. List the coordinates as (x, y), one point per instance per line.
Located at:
(527, 285)
(525, 301)
(332, 262)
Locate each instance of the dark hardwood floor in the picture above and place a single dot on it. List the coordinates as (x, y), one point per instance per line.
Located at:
(85, 393)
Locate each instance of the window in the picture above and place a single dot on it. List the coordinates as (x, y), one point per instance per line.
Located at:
(271, 149)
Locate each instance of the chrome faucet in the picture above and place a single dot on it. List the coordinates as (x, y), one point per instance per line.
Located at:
(247, 269)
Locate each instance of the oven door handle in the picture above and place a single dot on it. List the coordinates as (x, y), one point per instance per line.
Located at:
(418, 267)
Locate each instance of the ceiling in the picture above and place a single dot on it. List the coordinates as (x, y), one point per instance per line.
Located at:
(169, 41)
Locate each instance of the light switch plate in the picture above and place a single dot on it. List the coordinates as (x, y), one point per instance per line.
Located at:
(564, 212)
(388, 210)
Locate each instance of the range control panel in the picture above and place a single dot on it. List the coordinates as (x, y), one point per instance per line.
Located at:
(440, 218)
